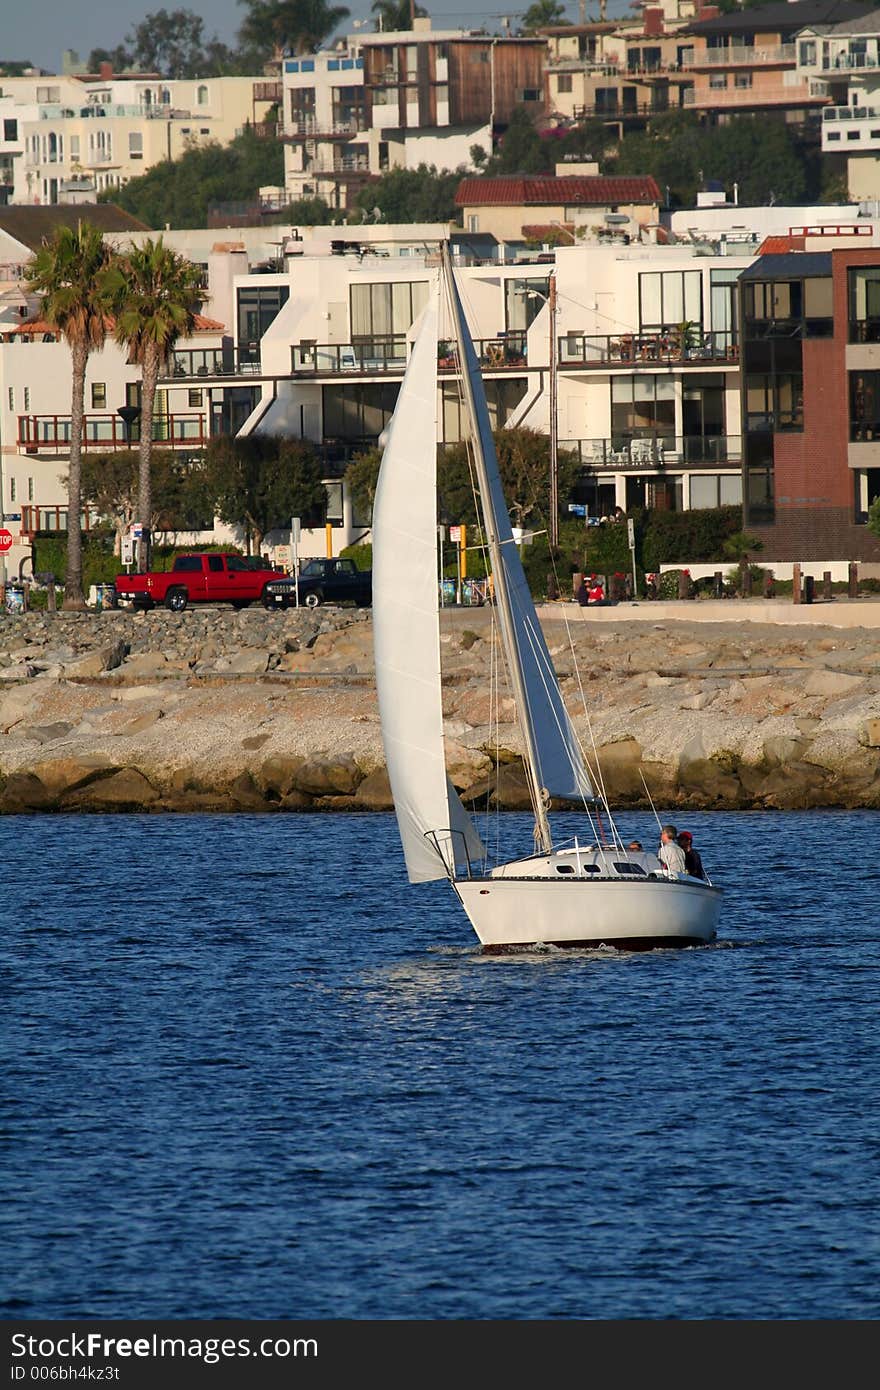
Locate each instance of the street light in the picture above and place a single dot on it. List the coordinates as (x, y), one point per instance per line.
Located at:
(550, 300)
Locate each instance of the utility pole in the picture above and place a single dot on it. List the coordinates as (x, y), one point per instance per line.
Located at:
(554, 459)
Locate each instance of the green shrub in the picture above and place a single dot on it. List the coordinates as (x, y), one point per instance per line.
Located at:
(694, 535)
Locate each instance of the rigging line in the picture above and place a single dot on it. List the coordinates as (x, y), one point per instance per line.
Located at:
(650, 799)
(598, 765)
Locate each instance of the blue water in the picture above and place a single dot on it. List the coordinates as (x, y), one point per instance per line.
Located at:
(251, 1072)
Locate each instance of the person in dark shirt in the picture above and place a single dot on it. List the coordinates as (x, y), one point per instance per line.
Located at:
(693, 864)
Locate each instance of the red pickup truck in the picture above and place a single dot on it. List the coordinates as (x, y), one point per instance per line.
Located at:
(203, 578)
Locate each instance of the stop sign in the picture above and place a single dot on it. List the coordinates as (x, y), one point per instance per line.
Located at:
(6, 539)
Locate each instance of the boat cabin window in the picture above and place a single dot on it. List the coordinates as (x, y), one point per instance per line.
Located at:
(624, 867)
(590, 868)
(564, 868)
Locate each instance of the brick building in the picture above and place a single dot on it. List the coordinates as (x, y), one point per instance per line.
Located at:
(810, 325)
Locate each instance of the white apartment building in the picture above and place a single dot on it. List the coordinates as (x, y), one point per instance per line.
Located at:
(646, 372)
(103, 133)
(396, 100)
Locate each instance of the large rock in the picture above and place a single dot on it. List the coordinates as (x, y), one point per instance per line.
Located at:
(278, 774)
(62, 775)
(831, 685)
(126, 790)
(374, 792)
(478, 708)
(324, 775)
(465, 766)
(96, 662)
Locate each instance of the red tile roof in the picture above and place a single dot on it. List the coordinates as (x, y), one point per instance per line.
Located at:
(781, 245)
(543, 190)
(33, 327)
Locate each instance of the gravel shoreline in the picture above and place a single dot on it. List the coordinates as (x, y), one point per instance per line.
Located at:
(217, 710)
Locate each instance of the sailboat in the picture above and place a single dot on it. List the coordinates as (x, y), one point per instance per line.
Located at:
(569, 894)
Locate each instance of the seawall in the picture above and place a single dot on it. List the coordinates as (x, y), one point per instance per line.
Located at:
(216, 710)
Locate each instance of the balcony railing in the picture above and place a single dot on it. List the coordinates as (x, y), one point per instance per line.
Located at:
(695, 347)
(107, 431)
(851, 62)
(268, 91)
(222, 361)
(377, 355)
(655, 452)
(312, 128)
(741, 57)
(759, 95)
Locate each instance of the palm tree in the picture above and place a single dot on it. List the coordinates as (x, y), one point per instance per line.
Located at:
(396, 15)
(301, 25)
(65, 273)
(543, 14)
(154, 294)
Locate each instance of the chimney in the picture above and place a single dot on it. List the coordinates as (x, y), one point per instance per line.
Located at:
(422, 24)
(105, 71)
(653, 21)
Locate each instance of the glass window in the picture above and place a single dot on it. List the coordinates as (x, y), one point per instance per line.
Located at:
(383, 310)
(563, 82)
(187, 564)
(135, 144)
(520, 307)
(642, 407)
(195, 398)
(10, 130)
(257, 308)
(215, 563)
(99, 395)
(864, 304)
(670, 297)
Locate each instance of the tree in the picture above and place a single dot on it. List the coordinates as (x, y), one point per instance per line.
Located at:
(524, 465)
(541, 14)
(180, 191)
(170, 43)
(110, 483)
(155, 294)
(395, 16)
(271, 26)
(262, 481)
(66, 273)
(362, 475)
(412, 195)
(874, 516)
(119, 58)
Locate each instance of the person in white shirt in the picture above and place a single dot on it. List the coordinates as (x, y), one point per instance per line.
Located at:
(670, 853)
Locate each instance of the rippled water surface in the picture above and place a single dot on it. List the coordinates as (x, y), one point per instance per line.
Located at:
(251, 1072)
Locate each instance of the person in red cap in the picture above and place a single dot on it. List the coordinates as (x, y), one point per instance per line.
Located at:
(693, 864)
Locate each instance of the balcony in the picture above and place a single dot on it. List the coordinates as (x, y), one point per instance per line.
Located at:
(298, 128)
(736, 56)
(106, 432)
(851, 62)
(189, 363)
(389, 355)
(695, 348)
(657, 452)
(268, 91)
(748, 98)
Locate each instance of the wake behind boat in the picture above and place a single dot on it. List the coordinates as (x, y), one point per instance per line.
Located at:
(599, 893)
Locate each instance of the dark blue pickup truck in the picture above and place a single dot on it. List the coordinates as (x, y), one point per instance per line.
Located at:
(323, 581)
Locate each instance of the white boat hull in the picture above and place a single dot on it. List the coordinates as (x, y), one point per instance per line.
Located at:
(627, 914)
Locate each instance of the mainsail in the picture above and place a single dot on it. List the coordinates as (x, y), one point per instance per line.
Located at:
(436, 831)
(558, 760)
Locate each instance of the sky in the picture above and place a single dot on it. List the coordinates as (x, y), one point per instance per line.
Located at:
(42, 29)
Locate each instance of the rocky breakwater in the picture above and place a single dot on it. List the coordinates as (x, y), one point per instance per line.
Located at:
(215, 710)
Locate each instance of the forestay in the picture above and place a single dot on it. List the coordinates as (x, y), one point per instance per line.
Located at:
(406, 627)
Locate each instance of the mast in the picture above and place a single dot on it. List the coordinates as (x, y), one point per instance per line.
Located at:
(499, 574)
